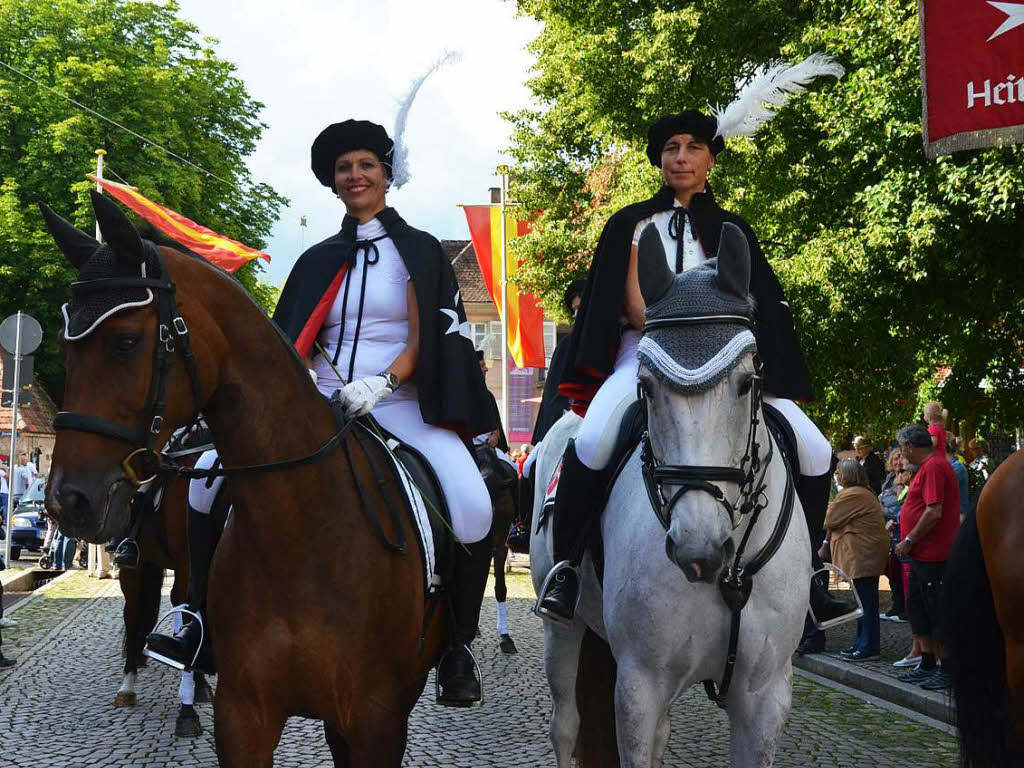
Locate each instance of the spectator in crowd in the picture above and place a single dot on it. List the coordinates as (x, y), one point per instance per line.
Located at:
(935, 416)
(871, 462)
(891, 498)
(24, 474)
(978, 469)
(4, 621)
(928, 523)
(961, 473)
(4, 490)
(62, 551)
(860, 548)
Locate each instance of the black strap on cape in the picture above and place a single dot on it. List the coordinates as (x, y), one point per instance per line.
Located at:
(371, 255)
(677, 231)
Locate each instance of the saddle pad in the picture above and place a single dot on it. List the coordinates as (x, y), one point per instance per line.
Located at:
(416, 504)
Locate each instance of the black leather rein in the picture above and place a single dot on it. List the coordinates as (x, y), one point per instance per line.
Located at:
(144, 464)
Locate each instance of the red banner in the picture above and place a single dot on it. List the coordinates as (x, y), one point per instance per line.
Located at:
(221, 251)
(972, 72)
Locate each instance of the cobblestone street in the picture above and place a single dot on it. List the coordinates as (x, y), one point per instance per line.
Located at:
(56, 705)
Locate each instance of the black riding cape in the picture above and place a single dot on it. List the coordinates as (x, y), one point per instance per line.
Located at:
(452, 392)
(595, 336)
(553, 404)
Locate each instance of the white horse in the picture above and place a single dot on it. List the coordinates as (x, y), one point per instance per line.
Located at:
(665, 617)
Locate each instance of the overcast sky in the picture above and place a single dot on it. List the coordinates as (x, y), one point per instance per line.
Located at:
(315, 62)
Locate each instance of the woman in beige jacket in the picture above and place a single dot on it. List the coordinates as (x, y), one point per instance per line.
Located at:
(860, 548)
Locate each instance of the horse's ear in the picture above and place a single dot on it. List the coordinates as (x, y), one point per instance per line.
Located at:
(734, 261)
(651, 265)
(117, 229)
(76, 245)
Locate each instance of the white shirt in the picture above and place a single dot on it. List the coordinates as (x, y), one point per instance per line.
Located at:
(384, 330)
(3, 481)
(23, 476)
(693, 251)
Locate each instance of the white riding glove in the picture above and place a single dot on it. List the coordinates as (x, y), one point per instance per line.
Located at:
(360, 396)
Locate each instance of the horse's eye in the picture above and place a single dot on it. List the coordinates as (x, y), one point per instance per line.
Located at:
(125, 343)
(744, 387)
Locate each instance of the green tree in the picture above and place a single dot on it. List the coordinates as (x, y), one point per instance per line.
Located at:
(142, 66)
(894, 264)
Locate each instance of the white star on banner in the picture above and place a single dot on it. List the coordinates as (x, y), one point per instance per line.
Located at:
(1014, 17)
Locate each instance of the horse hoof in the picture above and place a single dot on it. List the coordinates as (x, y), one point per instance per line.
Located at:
(507, 644)
(204, 693)
(188, 726)
(125, 699)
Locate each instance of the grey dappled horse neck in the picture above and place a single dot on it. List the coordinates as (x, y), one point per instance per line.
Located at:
(693, 358)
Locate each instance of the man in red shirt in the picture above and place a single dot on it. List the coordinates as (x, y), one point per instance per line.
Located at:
(928, 524)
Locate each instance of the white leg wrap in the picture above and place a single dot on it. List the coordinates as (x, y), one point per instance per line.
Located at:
(502, 618)
(128, 683)
(201, 498)
(187, 688)
(814, 450)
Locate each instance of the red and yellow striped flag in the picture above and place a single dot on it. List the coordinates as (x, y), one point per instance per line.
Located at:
(525, 326)
(220, 251)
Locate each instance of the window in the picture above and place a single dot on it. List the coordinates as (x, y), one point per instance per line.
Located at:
(494, 342)
(479, 335)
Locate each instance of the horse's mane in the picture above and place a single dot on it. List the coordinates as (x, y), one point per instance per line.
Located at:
(148, 232)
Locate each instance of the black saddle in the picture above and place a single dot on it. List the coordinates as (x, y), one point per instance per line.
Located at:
(425, 480)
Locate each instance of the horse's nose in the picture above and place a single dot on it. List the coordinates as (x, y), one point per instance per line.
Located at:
(70, 508)
(695, 568)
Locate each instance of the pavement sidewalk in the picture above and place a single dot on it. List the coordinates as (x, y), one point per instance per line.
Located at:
(877, 677)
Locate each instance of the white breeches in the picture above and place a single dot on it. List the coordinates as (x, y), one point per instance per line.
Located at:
(595, 441)
(464, 489)
(528, 464)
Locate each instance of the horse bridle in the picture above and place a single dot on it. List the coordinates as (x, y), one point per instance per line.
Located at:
(144, 464)
(736, 580)
(750, 475)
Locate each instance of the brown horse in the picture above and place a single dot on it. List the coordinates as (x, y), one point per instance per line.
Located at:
(984, 611)
(347, 638)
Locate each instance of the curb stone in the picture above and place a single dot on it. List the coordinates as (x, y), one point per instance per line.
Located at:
(933, 704)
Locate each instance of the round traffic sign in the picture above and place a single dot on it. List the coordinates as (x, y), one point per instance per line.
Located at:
(31, 334)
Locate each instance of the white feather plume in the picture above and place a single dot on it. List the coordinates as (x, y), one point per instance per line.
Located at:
(768, 91)
(400, 155)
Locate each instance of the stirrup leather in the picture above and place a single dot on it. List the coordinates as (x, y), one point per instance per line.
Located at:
(178, 609)
(856, 613)
(544, 613)
(439, 699)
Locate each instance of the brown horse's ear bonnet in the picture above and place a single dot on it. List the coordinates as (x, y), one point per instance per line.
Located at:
(125, 254)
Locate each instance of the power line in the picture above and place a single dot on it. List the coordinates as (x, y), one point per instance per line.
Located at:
(116, 124)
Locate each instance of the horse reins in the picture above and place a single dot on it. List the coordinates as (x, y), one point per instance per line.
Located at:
(736, 580)
(170, 328)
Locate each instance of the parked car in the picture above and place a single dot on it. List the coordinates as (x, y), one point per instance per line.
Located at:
(28, 524)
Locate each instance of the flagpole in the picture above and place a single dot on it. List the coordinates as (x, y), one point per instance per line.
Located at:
(99, 187)
(9, 512)
(503, 172)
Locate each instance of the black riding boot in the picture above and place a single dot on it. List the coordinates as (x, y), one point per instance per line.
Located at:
(457, 680)
(203, 534)
(580, 489)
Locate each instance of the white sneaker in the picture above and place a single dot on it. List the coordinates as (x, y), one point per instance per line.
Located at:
(907, 661)
(5, 622)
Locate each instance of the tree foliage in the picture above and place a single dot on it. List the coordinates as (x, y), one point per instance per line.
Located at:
(894, 265)
(143, 67)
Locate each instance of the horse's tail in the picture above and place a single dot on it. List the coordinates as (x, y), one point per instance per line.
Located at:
(984, 714)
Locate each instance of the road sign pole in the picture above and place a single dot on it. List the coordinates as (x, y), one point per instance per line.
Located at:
(14, 441)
